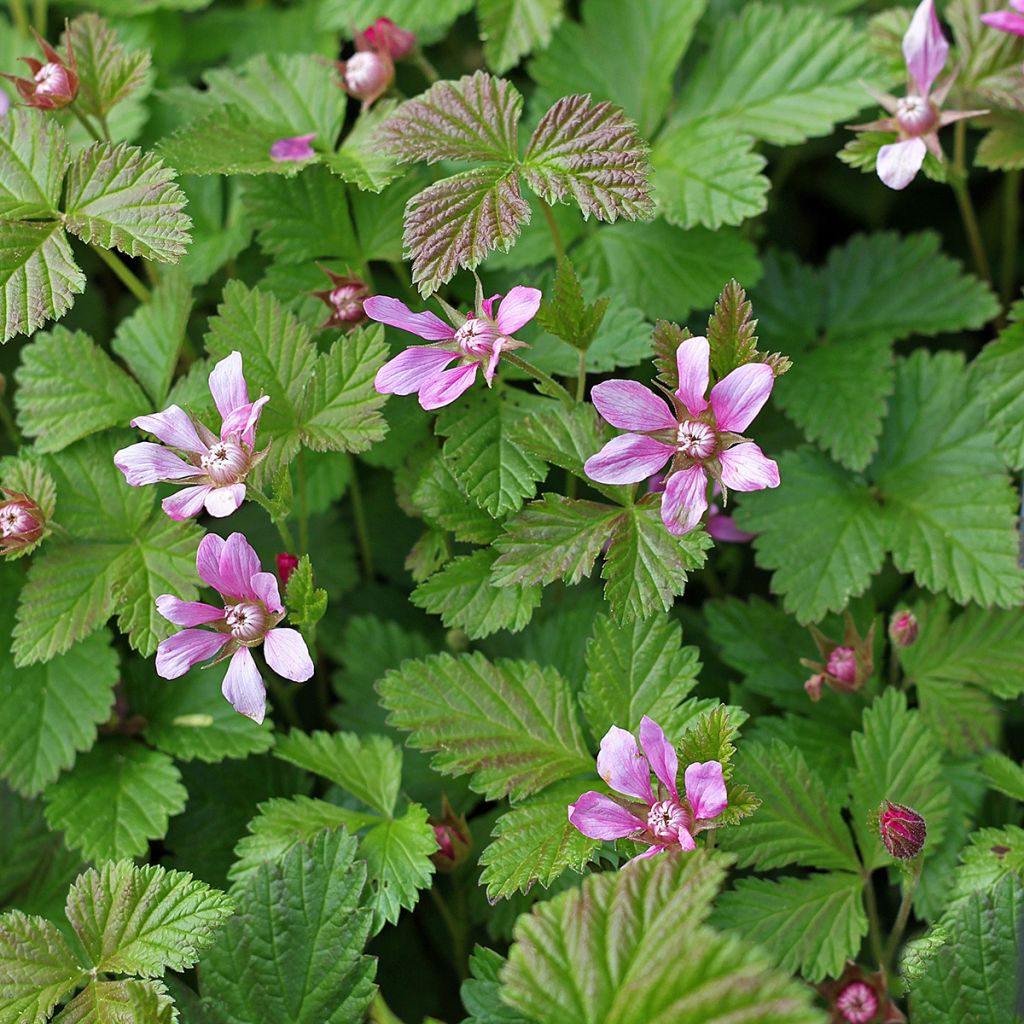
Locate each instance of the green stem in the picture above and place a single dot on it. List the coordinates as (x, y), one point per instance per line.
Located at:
(104, 128)
(20, 16)
(958, 182)
(1011, 229)
(581, 376)
(554, 388)
(903, 915)
(282, 527)
(556, 235)
(300, 472)
(381, 1013)
(39, 16)
(429, 71)
(359, 520)
(85, 122)
(455, 930)
(123, 274)
(10, 426)
(874, 927)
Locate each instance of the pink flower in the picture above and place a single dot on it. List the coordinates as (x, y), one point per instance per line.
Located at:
(846, 666)
(344, 299)
(54, 83)
(476, 341)
(286, 565)
(698, 437)
(5, 103)
(916, 117)
(719, 525)
(21, 522)
(296, 147)
(250, 611)
(1007, 21)
(369, 72)
(903, 627)
(842, 665)
(385, 35)
(857, 1003)
(214, 467)
(662, 820)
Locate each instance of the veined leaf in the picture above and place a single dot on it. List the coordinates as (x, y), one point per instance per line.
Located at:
(108, 1002)
(481, 991)
(109, 72)
(1005, 775)
(33, 160)
(430, 19)
(999, 376)
(513, 28)
(439, 497)
(37, 968)
(361, 161)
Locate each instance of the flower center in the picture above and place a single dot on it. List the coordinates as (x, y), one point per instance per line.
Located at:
(14, 520)
(666, 818)
(247, 621)
(915, 115)
(695, 439)
(476, 337)
(345, 300)
(857, 1003)
(225, 462)
(364, 71)
(842, 664)
(51, 79)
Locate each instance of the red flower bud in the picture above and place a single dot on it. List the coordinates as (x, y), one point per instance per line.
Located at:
(842, 665)
(286, 565)
(367, 74)
(857, 1003)
(454, 839)
(902, 829)
(385, 35)
(344, 299)
(54, 82)
(903, 628)
(21, 522)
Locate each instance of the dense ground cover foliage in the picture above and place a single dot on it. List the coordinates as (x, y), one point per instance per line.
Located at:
(510, 511)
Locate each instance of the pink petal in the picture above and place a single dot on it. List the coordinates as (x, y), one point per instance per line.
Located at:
(390, 311)
(487, 305)
(264, 585)
(173, 426)
(227, 385)
(243, 686)
(724, 528)
(238, 564)
(739, 397)
(628, 459)
(924, 47)
(660, 753)
(1005, 21)
(244, 420)
(208, 561)
(651, 851)
(600, 817)
(898, 162)
(705, 789)
(287, 654)
(746, 468)
(222, 501)
(1017, 5)
(519, 307)
(492, 363)
(447, 386)
(628, 405)
(186, 503)
(187, 613)
(178, 653)
(685, 500)
(295, 147)
(623, 767)
(411, 369)
(686, 840)
(693, 361)
(149, 463)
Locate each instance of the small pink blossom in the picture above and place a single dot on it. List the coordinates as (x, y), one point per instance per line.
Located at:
(476, 341)
(857, 1003)
(663, 820)
(5, 103)
(22, 523)
(369, 72)
(842, 665)
(214, 467)
(698, 436)
(1007, 21)
(247, 617)
(344, 299)
(293, 148)
(54, 82)
(846, 666)
(903, 626)
(286, 565)
(385, 35)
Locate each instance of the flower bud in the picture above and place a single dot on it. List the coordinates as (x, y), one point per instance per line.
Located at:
(21, 522)
(902, 829)
(286, 565)
(454, 839)
(842, 665)
(903, 628)
(857, 1003)
(367, 74)
(813, 686)
(344, 299)
(54, 82)
(385, 35)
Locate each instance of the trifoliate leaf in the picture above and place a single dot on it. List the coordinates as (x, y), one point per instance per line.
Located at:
(108, 71)
(119, 796)
(110, 1002)
(511, 723)
(534, 842)
(999, 377)
(33, 160)
(511, 29)
(37, 968)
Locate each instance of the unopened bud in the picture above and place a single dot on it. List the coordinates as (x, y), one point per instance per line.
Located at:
(903, 628)
(54, 82)
(902, 829)
(366, 74)
(842, 665)
(454, 840)
(385, 35)
(286, 565)
(857, 1003)
(344, 299)
(813, 686)
(21, 522)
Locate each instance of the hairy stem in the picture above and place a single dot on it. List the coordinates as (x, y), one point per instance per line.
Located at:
(553, 387)
(282, 527)
(958, 182)
(874, 927)
(85, 122)
(359, 521)
(903, 915)
(455, 930)
(556, 235)
(104, 128)
(300, 472)
(581, 376)
(1011, 231)
(123, 273)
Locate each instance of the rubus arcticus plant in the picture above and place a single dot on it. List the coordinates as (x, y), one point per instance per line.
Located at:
(509, 511)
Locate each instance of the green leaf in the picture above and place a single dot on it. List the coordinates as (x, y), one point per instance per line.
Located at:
(37, 969)
(61, 370)
(565, 313)
(33, 160)
(814, 924)
(24, 474)
(731, 336)
(710, 737)
(465, 596)
(362, 162)
(1002, 148)
(999, 377)
(481, 991)
(993, 853)
(110, 1002)
(1005, 775)
(306, 602)
(142, 920)
(511, 723)
(120, 796)
(439, 498)
(121, 197)
(109, 72)
(293, 954)
(430, 19)
(511, 30)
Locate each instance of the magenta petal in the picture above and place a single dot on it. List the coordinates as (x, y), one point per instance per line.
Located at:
(623, 767)
(227, 385)
(1005, 21)
(651, 851)
(447, 386)
(238, 564)
(222, 501)
(178, 653)
(264, 584)
(518, 307)
(149, 463)
(173, 426)
(924, 47)
(693, 361)
(739, 397)
(746, 468)
(208, 560)
(686, 840)
(724, 528)
(487, 305)
(287, 654)
(600, 817)
(628, 459)
(685, 500)
(898, 162)
(187, 613)
(186, 503)
(660, 753)
(411, 369)
(295, 147)
(628, 405)
(492, 363)
(243, 686)
(705, 789)
(244, 420)
(390, 311)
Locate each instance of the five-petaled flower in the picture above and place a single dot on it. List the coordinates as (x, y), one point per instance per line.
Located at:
(247, 617)
(699, 437)
(292, 148)
(476, 341)
(1007, 21)
(344, 299)
(214, 467)
(21, 523)
(916, 117)
(664, 820)
(54, 82)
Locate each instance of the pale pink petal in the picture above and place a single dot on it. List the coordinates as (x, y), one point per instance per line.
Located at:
(628, 459)
(186, 503)
(222, 501)
(519, 307)
(244, 420)
(227, 385)
(208, 561)
(651, 851)
(390, 311)
(238, 564)
(899, 162)
(1005, 21)
(693, 361)
(178, 653)
(685, 500)
(739, 397)
(187, 613)
(149, 463)
(924, 47)
(447, 386)
(600, 817)
(411, 369)
(264, 584)
(623, 767)
(705, 789)
(487, 305)
(686, 840)
(1017, 5)
(724, 528)
(294, 147)
(628, 405)
(287, 654)
(660, 753)
(746, 468)
(931, 140)
(492, 363)
(173, 426)
(243, 686)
